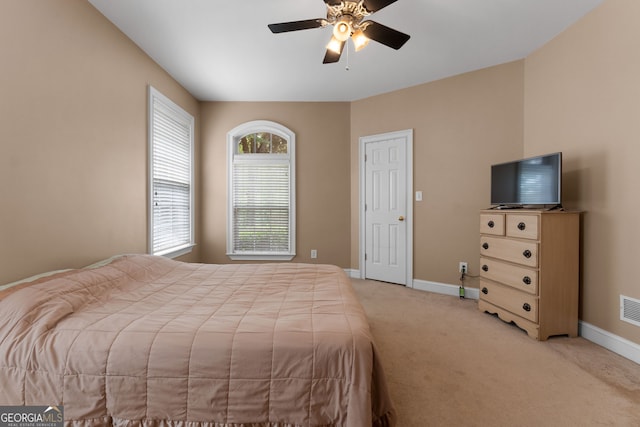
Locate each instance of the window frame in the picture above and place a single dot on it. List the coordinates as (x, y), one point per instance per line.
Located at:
(183, 117)
(233, 138)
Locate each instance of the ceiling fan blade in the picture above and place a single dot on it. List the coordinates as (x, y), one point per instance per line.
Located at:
(375, 5)
(333, 2)
(332, 56)
(385, 35)
(307, 24)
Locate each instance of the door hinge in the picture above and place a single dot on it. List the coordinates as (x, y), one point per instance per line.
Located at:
(365, 158)
(365, 257)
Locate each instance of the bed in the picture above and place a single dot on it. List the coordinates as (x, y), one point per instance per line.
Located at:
(148, 341)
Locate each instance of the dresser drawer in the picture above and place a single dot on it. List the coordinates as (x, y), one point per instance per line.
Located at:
(523, 226)
(492, 224)
(522, 278)
(518, 251)
(520, 303)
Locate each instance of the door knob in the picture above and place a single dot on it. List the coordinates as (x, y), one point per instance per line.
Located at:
(401, 218)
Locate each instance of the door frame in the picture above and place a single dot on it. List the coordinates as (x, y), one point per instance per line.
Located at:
(407, 135)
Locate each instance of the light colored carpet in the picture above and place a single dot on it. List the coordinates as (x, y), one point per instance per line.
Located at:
(448, 364)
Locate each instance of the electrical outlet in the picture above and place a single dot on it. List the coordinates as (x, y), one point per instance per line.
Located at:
(314, 253)
(462, 267)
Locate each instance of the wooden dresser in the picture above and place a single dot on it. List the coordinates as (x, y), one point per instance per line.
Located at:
(529, 262)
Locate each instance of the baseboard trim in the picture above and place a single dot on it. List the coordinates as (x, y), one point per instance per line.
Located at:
(445, 289)
(428, 286)
(354, 274)
(619, 345)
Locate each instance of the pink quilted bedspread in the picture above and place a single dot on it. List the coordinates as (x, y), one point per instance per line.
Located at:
(148, 341)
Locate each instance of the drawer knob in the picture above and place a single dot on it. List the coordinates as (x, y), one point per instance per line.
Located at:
(491, 224)
(526, 280)
(485, 267)
(526, 307)
(485, 245)
(485, 291)
(522, 226)
(527, 253)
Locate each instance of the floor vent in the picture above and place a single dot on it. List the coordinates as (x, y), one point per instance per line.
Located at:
(630, 310)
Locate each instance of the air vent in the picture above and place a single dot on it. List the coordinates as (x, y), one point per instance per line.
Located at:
(630, 310)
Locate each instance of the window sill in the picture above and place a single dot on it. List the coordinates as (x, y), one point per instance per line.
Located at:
(176, 252)
(261, 257)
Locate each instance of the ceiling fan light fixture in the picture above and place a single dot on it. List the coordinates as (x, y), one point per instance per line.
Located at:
(360, 41)
(335, 45)
(342, 29)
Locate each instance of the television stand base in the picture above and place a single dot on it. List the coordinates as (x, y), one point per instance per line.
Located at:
(501, 207)
(533, 207)
(556, 207)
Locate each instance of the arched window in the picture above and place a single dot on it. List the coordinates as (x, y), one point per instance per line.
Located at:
(261, 202)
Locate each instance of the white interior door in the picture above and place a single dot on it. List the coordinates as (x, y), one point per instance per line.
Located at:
(387, 208)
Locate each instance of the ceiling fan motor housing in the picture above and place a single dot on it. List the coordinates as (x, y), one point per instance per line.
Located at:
(350, 12)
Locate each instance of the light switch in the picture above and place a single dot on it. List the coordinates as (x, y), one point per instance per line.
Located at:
(418, 196)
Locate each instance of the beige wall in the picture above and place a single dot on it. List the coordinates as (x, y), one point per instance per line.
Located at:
(461, 126)
(582, 97)
(322, 181)
(73, 147)
(73, 137)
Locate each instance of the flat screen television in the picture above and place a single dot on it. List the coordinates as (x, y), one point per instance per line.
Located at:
(535, 181)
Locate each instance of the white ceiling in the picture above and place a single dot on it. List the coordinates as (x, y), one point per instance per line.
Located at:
(223, 51)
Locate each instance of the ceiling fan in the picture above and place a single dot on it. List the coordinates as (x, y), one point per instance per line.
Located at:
(347, 18)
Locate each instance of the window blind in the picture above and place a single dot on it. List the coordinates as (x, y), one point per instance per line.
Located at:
(171, 165)
(261, 207)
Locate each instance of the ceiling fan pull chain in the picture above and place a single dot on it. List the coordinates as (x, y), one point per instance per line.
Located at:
(348, 49)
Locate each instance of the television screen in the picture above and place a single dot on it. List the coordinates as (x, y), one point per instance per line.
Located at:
(532, 181)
